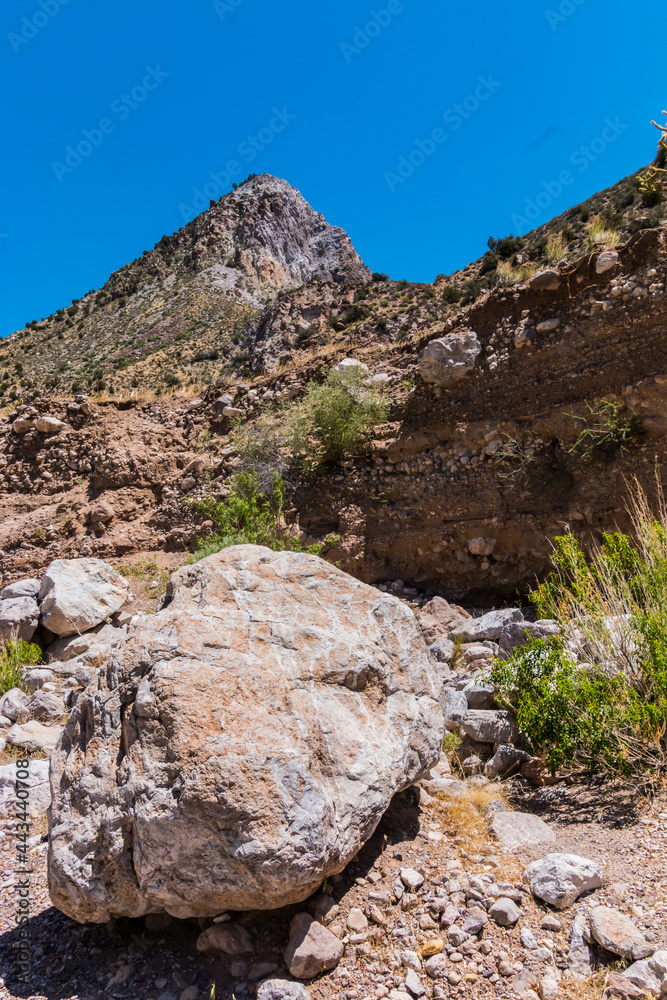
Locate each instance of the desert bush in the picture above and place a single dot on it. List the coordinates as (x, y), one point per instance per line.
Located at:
(507, 246)
(14, 655)
(451, 293)
(336, 418)
(608, 431)
(598, 698)
(249, 515)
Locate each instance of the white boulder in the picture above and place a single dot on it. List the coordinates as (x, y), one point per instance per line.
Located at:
(274, 700)
(19, 617)
(77, 594)
(448, 359)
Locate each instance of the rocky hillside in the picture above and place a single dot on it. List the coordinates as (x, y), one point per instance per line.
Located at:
(181, 311)
(260, 280)
(481, 462)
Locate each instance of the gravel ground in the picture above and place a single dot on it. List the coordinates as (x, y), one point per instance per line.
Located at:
(599, 821)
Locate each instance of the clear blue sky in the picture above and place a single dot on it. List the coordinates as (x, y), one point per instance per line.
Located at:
(199, 78)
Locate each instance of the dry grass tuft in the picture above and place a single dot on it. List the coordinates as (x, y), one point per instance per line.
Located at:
(465, 816)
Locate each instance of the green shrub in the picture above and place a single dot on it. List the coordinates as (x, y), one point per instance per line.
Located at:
(599, 700)
(13, 656)
(608, 431)
(506, 247)
(249, 515)
(451, 293)
(337, 418)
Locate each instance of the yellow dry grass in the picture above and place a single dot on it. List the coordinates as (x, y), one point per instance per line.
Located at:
(465, 816)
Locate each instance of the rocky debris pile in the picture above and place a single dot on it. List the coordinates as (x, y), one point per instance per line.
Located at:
(273, 698)
(75, 615)
(464, 649)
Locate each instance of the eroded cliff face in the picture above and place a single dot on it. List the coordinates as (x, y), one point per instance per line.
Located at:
(460, 493)
(464, 493)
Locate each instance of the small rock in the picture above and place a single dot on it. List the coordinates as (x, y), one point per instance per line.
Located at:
(102, 512)
(505, 912)
(350, 364)
(605, 261)
(559, 879)
(433, 947)
(649, 973)
(515, 830)
(528, 939)
(37, 677)
(14, 705)
(312, 948)
(436, 967)
(548, 988)
(545, 281)
(449, 358)
(616, 932)
(190, 993)
(489, 727)
(34, 736)
(580, 957)
(411, 879)
(231, 939)
(19, 617)
(232, 411)
(77, 594)
(356, 921)
(49, 425)
(282, 989)
(489, 626)
(548, 325)
(411, 960)
(474, 920)
(505, 761)
(551, 923)
(45, 705)
(23, 588)
(414, 984)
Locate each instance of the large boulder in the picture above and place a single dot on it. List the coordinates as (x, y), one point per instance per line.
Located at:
(448, 359)
(242, 744)
(19, 617)
(78, 594)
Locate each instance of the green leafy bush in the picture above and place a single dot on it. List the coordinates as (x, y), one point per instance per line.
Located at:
(14, 655)
(599, 699)
(337, 418)
(249, 515)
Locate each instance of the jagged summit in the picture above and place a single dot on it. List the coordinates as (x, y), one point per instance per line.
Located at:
(261, 238)
(196, 290)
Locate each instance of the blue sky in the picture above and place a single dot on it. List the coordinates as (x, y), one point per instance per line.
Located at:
(335, 97)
